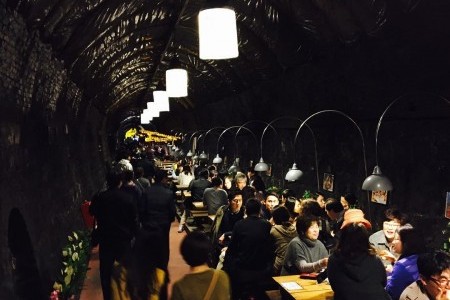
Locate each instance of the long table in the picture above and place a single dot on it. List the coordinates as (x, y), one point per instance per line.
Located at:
(304, 289)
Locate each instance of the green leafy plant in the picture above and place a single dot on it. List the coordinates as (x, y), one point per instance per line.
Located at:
(274, 189)
(307, 195)
(75, 258)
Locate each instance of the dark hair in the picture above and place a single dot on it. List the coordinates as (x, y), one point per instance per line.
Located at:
(290, 205)
(212, 168)
(203, 173)
(252, 207)
(286, 193)
(304, 222)
(187, 170)
(354, 241)
(113, 178)
(272, 194)
(160, 174)
(320, 194)
(433, 263)
(393, 213)
(412, 240)
(141, 262)
(216, 181)
(195, 248)
(280, 215)
(310, 207)
(128, 175)
(334, 205)
(351, 199)
(139, 172)
(234, 193)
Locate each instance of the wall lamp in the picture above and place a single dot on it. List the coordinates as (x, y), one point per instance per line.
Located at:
(295, 175)
(261, 166)
(203, 155)
(377, 181)
(190, 152)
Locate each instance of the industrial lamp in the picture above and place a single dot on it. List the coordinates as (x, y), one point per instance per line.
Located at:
(261, 166)
(205, 156)
(218, 159)
(377, 181)
(176, 79)
(161, 99)
(217, 33)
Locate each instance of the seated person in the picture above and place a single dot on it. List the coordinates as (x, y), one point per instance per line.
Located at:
(240, 184)
(270, 203)
(283, 232)
(202, 282)
(335, 212)
(408, 243)
(305, 253)
(354, 270)
(434, 278)
(349, 201)
(382, 239)
(215, 196)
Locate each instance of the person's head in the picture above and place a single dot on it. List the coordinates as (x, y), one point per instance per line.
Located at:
(114, 178)
(407, 241)
(253, 207)
(240, 180)
(161, 176)
(308, 227)
(354, 241)
(235, 200)
(203, 173)
(434, 271)
(354, 215)
(281, 215)
(348, 200)
(213, 174)
(216, 182)
(271, 201)
(195, 248)
(187, 170)
(320, 198)
(251, 172)
(286, 193)
(393, 220)
(290, 204)
(310, 207)
(139, 172)
(333, 208)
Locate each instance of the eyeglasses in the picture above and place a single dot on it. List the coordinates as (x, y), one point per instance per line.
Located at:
(442, 282)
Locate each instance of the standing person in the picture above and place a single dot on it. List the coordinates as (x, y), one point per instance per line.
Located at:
(159, 210)
(139, 276)
(255, 180)
(202, 282)
(409, 244)
(215, 196)
(250, 255)
(434, 278)
(354, 270)
(116, 216)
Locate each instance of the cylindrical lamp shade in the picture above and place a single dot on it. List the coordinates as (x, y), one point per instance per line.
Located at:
(162, 100)
(152, 109)
(217, 33)
(176, 83)
(146, 118)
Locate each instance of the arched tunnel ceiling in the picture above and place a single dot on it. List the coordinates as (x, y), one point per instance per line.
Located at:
(118, 51)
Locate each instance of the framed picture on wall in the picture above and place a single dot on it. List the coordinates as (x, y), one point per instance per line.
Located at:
(447, 206)
(379, 197)
(328, 182)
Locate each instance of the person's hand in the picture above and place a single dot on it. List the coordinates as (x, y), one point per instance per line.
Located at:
(386, 255)
(443, 294)
(324, 262)
(389, 269)
(222, 239)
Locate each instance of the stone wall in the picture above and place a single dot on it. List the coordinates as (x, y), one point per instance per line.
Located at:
(49, 137)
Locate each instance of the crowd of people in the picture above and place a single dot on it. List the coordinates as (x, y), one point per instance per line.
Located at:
(255, 235)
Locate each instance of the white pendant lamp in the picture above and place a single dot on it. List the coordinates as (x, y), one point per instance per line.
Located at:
(217, 159)
(217, 33)
(293, 174)
(162, 100)
(261, 166)
(176, 82)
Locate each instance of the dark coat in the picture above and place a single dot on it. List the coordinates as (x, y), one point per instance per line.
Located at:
(159, 206)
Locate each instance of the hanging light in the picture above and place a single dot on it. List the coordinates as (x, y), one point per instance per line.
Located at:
(217, 159)
(293, 174)
(176, 79)
(152, 109)
(217, 33)
(261, 166)
(146, 118)
(161, 99)
(377, 181)
(203, 156)
(189, 154)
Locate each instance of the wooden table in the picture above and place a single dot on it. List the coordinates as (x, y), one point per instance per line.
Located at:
(310, 289)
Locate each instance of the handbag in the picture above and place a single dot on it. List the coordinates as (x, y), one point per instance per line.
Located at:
(212, 285)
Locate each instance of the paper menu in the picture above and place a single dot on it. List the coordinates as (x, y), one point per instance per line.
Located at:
(291, 286)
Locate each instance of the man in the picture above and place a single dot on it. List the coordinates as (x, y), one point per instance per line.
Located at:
(256, 180)
(159, 210)
(240, 183)
(250, 256)
(270, 203)
(197, 186)
(335, 212)
(226, 218)
(116, 215)
(215, 197)
(434, 278)
(382, 239)
(320, 199)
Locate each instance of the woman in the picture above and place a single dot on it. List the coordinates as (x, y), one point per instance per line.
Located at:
(283, 232)
(354, 270)
(140, 275)
(185, 176)
(408, 244)
(305, 253)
